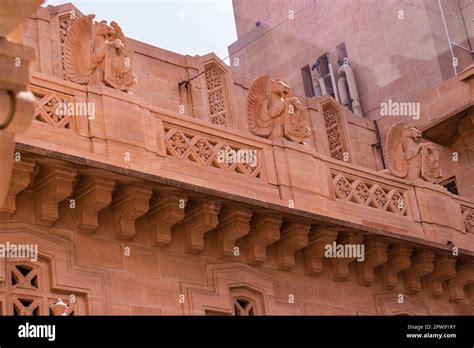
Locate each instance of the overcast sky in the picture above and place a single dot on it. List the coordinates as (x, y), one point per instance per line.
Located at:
(183, 26)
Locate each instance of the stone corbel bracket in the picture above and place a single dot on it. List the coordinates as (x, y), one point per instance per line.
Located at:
(340, 266)
(464, 277)
(92, 194)
(22, 176)
(422, 264)
(166, 210)
(444, 269)
(265, 230)
(234, 223)
(375, 255)
(466, 130)
(52, 186)
(470, 293)
(294, 237)
(313, 254)
(130, 201)
(399, 259)
(199, 220)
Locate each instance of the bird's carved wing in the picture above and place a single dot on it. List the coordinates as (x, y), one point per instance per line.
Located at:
(78, 63)
(259, 119)
(118, 32)
(396, 162)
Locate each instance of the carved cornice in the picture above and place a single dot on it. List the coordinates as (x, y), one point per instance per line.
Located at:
(234, 223)
(319, 237)
(422, 264)
(52, 186)
(294, 236)
(265, 230)
(375, 255)
(22, 175)
(199, 220)
(398, 260)
(444, 269)
(166, 210)
(129, 203)
(92, 194)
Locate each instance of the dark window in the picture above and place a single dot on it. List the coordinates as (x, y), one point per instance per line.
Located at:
(451, 185)
(243, 307)
(325, 73)
(341, 53)
(307, 81)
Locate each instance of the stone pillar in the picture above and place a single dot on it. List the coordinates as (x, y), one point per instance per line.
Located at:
(440, 214)
(16, 104)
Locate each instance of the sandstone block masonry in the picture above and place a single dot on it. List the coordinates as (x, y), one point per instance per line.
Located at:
(135, 212)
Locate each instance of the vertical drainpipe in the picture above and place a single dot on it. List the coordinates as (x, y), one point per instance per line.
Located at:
(333, 81)
(347, 71)
(322, 84)
(343, 92)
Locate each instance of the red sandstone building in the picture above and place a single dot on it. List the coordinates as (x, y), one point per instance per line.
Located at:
(147, 194)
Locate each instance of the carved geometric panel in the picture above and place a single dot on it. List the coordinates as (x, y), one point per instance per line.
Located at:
(50, 109)
(243, 307)
(216, 94)
(333, 128)
(198, 148)
(247, 301)
(375, 195)
(27, 291)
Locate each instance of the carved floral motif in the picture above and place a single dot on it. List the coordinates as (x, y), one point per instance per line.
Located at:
(48, 110)
(362, 191)
(343, 186)
(380, 197)
(203, 149)
(468, 216)
(178, 143)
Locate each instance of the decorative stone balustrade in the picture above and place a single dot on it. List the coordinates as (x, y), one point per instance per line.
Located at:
(211, 151)
(371, 194)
